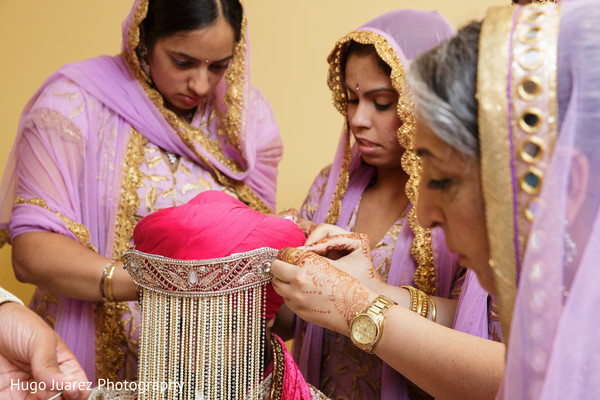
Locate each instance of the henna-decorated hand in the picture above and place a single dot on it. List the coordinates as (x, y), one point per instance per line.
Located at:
(354, 257)
(304, 224)
(317, 291)
(323, 231)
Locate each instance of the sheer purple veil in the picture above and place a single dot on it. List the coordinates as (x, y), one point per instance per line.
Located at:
(554, 352)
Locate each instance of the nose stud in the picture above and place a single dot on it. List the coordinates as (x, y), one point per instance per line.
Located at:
(357, 87)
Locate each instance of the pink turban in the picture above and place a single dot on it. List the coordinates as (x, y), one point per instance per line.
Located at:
(215, 225)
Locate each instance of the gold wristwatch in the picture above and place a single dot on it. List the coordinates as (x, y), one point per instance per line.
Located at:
(367, 326)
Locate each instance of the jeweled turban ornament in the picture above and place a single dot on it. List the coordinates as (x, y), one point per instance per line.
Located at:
(203, 273)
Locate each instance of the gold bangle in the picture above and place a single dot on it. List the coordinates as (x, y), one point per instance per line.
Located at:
(413, 297)
(419, 301)
(109, 292)
(423, 304)
(433, 310)
(107, 273)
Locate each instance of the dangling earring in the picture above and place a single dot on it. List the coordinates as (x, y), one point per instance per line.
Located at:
(570, 246)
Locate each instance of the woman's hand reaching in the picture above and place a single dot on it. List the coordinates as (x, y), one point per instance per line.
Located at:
(304, 224)
(322, 290)
(351, 250)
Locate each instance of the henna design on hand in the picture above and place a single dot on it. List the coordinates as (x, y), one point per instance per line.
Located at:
(347, 294)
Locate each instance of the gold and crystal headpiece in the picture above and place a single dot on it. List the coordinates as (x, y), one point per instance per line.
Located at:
(203, 327)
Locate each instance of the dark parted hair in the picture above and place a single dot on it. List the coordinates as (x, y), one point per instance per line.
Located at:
(363, 49)
(168, 17)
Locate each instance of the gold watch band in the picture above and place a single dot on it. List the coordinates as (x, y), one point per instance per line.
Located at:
(379, 306)
(367, 326)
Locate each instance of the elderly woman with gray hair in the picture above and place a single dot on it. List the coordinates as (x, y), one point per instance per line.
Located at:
(508, 120)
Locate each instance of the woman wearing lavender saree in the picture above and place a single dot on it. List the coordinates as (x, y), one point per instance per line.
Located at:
(370, 188)
(512, 183)
(106, 141)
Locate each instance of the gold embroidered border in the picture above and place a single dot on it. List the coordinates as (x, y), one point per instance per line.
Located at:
(495, 123)
(421, 248)
(495, 150)
(278, 368)
(79, 230)
(111, 333)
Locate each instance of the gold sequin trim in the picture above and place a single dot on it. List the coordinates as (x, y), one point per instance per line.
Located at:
(421, 248)
(111, 333)
(496, 175)
(278, 369)
(521, 143)
(80, 231)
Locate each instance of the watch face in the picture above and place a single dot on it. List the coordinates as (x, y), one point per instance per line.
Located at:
(364, 329)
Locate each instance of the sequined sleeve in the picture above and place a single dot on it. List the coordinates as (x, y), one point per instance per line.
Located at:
(51, 163)
(315, 193)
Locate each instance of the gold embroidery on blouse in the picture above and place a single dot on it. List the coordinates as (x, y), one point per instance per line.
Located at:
(205, 183)
(151, 196)
(154, 161)
(79, 230)
(45, 298)
(64, 95)
(111, 328)
(313, 198)
(157, 178)
(421, 248)
(53, 121)
(77, 110)
(190, 186)
(185, 170)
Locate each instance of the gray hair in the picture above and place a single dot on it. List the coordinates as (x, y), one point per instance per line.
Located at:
(443, 82)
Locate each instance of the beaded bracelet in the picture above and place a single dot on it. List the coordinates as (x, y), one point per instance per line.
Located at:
(106, 281)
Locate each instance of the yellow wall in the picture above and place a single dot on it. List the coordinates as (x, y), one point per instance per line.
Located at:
(289, 39)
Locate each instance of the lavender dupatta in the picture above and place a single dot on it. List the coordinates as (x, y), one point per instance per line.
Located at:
(66, 172)
(398, 36)
(553, 351)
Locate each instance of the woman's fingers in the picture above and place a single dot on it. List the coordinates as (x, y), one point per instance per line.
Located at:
(343, 244)
(322, 231)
